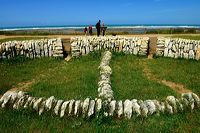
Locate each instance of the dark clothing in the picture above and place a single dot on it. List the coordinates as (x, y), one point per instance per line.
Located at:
(98, 27)
(90, 30)
(103, 30)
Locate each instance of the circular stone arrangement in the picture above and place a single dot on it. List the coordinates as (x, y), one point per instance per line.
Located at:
(105, 101)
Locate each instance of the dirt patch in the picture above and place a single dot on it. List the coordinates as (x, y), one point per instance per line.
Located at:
(179, 88)
(23, 86)
(152, 47)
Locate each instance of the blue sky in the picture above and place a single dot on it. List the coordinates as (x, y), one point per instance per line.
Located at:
(76, 12)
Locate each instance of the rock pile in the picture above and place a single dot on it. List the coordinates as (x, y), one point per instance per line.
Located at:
(84, 45)
(105, 89)
(32, 48)
(178, 48)
(89, 107)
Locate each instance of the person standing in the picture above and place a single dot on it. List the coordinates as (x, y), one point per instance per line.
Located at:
(103, 28)
(90, 30)
(98, 27)
(85, 30)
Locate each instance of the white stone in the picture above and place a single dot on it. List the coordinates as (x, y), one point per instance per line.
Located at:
(91, 108)
(128, 109)
(63, 108)
(37, 103)
(71, 106)
(50, 103)
(42, 107)
(189, 98)
(119, 108)
(191, 54)
(98, 105)
(171, 100)
(77, 108)
(169, 108)
(143, 108)
(151, 107)
(112, 107)
(196, 99)
(58, 107)
(86, 106)
(26, 105)
(136, 107)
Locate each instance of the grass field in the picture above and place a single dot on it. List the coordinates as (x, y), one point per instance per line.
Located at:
(78, 79)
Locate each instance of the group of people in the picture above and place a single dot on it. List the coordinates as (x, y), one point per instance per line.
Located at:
(99, 28)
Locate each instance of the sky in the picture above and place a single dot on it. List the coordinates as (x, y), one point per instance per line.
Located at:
(78, 12)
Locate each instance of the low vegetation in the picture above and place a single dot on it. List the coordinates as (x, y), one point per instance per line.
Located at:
(78, 79)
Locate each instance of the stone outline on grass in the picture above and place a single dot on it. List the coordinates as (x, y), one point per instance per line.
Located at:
(106, 102)
(90, 108)
(105, 90)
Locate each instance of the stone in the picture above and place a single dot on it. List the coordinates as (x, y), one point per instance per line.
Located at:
(171, 100)
(189, 98)
(42, 107)
(197, 57)
(143, 108)
(26, 105)
(179, 105)
(85, 106)
(136, 107)
(91, 108)
(71, 106)
(128, 109)
(68, 58)
(112, 107)
(20, 103)
(50, 102)
(166, 52)
(196, 99)
(169, 108)
(37, 104)
(157, 105)
(191, 54)
(58, 106)
(32, 102)
(98, 105)
(77, 109)
(63, 108)
(151, 107)
(119, 108)
(106, 70)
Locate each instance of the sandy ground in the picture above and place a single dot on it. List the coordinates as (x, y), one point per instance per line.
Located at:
(69, 36)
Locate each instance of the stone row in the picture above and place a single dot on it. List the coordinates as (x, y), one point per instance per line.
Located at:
(32, 48)
(104, 85)
(89, 107)
(178, 48)
(129, 45)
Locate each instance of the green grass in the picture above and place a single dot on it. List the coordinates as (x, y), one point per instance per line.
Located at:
(29, 121)
(182, 71)
(78, 79)
(21, 70)
(193, 37)
(129, 80)
(66, 80)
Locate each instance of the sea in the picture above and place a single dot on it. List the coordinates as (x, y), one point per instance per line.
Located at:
(114, 26)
